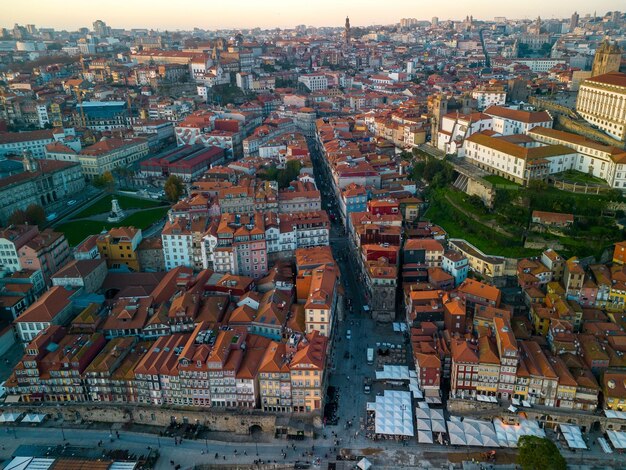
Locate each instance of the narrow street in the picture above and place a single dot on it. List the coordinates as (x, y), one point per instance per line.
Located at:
(349, 356)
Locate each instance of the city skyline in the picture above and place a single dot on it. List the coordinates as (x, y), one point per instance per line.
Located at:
(277, 13)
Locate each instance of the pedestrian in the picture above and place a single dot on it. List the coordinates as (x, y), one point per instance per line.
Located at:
(245, 452)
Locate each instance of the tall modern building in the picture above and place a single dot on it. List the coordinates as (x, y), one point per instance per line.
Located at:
(100, 28)
(573, 23)
(607, 59)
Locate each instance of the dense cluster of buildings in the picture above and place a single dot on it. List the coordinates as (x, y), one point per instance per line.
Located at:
(236, 301)
(182, 338)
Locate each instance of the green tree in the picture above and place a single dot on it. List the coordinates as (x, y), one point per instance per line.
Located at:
(539, 453)
(174, 188)
(35, 215)
(104, 181)
(18, 217)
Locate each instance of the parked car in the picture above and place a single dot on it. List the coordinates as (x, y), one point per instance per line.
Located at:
(71, 202)
(348, 334)
(51, 217)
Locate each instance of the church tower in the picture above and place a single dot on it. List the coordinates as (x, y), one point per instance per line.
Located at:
(346, 32)
(607, 59)
(28, 162)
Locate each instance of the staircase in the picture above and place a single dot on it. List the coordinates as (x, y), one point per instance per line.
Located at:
(461, 182)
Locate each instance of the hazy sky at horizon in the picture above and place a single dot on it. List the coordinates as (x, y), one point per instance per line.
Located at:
(207, 14)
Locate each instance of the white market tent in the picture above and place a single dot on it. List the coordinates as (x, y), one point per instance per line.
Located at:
(618, 439)
(34, 418)
(364, 464)
(30, 463)
(399, 327)
(424, 437)
(457, 438)
(615, 414)
(605, 445)
(414, 387)
(472, 432)
(430, 419)
(423, 424)
(573, 436)
(392, 372)
(436, 414)
(394, 413)
(9, 417)
(438, 425)
(123, 466)
(509, 434)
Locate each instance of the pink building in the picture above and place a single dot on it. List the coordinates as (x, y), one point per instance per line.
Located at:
(48, 252)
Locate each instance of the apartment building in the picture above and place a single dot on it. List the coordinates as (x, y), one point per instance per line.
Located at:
(177, 238)
(321, 303)
(118, 247)
(308, 373)
(54, 307)
(464, 370)
(299, 196)
(47, 252)
(314, 81)
(275, 379)
(12, 239)
(489, 96)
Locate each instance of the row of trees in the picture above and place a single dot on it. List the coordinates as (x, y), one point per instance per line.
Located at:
(174, 186)
(33, 215)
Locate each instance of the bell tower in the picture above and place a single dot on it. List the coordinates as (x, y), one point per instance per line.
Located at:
(346, 32)
(607, 59)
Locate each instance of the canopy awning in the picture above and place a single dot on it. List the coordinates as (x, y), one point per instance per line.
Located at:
(34, 418)
(618, 439)
(10, 417)
(605, 445)
(615, 414)
(424, 437)
(394, 413)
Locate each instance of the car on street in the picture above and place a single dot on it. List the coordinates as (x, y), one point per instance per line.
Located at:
(348, 334)
(71, 202)
(51, 217)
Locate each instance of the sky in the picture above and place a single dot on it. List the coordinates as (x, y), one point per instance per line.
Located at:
(218, 14)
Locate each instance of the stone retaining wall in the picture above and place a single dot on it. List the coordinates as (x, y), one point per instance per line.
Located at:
(230, 421)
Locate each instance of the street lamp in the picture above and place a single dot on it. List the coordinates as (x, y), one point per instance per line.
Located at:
(63, 433)
(159, 441)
